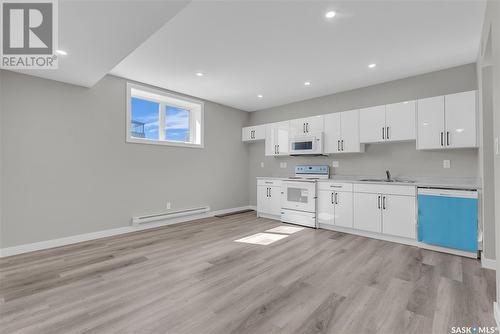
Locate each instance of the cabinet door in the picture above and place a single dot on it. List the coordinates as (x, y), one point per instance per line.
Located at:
(297, 127)
(282, 131)
(400, 121)
(430, 123)
(350, 132)
(314, 124)
(372, 124)
(246, 134)
(270, 141)
(460, 120)
(325, 207)
(263, 199)
(367, 212)
(344, 209)
(398, 216)
(274, 201)
(332, 133)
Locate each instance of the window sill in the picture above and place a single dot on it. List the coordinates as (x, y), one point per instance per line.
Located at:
(163, 143)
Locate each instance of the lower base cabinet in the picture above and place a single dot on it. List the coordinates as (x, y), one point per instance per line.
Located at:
(382, 212)
(269, 197)
(367, 212)
(335, 208)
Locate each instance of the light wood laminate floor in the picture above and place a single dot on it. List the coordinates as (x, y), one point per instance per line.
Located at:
(193, 278)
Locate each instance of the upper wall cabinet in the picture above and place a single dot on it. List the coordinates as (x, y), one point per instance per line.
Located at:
(341, 132)
(253, 133)
(448, 121)
(392, 122)
(277, 138)
(306, 125)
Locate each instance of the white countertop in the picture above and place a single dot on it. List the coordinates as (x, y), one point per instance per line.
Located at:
(435, 182)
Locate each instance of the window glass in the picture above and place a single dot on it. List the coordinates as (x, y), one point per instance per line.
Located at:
(177, 124)
(145, 119)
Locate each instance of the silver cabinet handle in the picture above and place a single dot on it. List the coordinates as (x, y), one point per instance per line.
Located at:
(338, 145)
(307, 127)
(342, 144)
(447, 138)
(387, 132)
(304, 127)
(270, 192)
(336, 198)
(383, 202)
(442, 140)
(332, 200)
(278, 146)
(383, 132)
(378, 202)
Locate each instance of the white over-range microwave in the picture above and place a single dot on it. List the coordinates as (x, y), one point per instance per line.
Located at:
(307, 144)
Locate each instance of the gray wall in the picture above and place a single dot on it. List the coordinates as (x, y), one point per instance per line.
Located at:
(401, 158)
(68, 169)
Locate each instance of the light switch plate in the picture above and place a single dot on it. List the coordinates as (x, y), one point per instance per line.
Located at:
(262, 165)
(335, 164)
(282, 164)
(446, 163)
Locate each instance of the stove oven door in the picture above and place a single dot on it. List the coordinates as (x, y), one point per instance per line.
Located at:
(299, 195)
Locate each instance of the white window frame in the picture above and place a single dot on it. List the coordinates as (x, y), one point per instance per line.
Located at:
(165, 98)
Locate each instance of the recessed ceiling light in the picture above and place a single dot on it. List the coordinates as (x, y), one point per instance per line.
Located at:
(330, 14)
(307, 83)
(61, 52)
(372, 65)
(260, 96)
(200, 74)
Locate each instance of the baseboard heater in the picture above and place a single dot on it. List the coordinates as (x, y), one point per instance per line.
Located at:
(169, 215)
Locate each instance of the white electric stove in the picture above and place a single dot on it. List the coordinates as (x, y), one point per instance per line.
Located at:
(298, 205)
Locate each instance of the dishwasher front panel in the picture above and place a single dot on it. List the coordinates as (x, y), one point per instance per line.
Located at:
(448, 218)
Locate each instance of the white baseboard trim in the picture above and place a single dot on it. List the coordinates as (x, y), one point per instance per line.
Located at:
(488, 263)
(36, 246)
(496, 313)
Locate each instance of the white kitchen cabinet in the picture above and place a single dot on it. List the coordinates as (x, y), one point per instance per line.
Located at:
(277, 135)
(392, 122)
(400, 121)
(325, 214)
(448, 121)
(341, 132)
(253, 133)
(367, 212)
(269, 197)
(430, 123)
(398, 216)
(335, 208)
(308, 125)
(460, 120)
(343, 209)
(386, 209)
(372, 124)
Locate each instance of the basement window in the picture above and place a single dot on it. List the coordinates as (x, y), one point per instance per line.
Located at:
(161, 118)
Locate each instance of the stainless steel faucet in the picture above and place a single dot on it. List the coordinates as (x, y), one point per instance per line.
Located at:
(388, 174)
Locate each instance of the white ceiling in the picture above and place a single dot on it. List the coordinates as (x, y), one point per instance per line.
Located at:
(97, 35)
(273, 47)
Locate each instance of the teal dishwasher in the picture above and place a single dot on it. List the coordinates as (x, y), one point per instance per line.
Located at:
(448, 218)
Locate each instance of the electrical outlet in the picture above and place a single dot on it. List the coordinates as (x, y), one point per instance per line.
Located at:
(282, 164)
(335, 164)
(262, 164)
(446, 163)
(169, 205)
